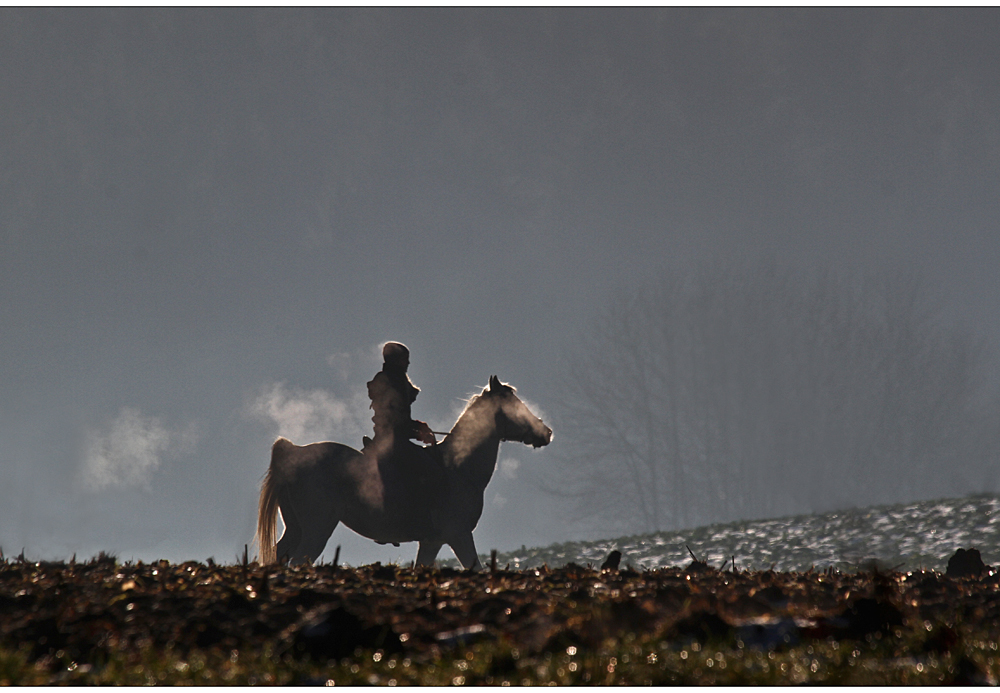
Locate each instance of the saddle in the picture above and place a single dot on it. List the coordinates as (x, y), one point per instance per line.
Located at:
(413, 477)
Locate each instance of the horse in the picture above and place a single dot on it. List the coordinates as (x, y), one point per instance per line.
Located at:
(431, 495)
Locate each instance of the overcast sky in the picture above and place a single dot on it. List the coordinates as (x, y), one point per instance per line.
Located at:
(210, 219)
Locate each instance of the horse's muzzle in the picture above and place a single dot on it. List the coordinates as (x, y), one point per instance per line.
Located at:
(544, 439)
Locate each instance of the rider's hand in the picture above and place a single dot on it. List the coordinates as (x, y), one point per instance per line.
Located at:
(424, 434)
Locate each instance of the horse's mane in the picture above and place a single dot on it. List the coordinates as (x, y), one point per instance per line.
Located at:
(470, 402)
(474, 398)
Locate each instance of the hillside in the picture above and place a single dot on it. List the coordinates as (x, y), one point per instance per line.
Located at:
(909, 536)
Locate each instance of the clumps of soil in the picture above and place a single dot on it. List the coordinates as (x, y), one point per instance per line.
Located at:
(82, 611)
(612, 561)
(966, 563)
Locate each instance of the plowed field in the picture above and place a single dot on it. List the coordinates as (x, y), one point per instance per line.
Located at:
(103, 622)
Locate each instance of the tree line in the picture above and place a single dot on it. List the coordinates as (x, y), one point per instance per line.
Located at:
(720, 393)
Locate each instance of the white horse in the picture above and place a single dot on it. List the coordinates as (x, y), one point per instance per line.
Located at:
(430, 495)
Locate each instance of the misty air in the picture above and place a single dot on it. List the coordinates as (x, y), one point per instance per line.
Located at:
(499, 293)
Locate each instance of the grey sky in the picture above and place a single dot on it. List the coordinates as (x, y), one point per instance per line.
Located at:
(211, 218)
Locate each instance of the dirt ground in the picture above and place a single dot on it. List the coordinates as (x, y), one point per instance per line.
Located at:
(84, 613)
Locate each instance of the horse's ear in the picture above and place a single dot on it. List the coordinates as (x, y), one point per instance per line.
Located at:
(494, 384)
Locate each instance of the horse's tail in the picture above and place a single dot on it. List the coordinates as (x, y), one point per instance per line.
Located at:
(267, 508)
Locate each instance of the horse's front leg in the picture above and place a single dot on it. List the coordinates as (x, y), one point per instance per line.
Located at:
(427, 552)
(465, 548)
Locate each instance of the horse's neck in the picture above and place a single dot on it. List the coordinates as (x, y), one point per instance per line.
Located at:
(474, 442)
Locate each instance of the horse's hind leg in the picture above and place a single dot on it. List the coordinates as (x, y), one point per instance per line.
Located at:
(465, 549)
(309, 522)
(288, 545)
(427, 552)
(314, 540)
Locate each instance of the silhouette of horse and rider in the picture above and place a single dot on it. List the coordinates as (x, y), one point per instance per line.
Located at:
(392, 490)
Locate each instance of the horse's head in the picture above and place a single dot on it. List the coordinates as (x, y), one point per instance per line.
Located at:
(514, 420)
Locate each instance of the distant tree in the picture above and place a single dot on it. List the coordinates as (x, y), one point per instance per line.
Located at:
(724, 393)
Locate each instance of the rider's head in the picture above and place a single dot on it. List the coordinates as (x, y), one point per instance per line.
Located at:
(396, 355)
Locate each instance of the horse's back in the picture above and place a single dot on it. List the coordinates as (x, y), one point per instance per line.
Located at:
(297, 463)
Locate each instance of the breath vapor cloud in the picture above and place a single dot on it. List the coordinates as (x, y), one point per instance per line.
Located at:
(128, 452)
(307, 416)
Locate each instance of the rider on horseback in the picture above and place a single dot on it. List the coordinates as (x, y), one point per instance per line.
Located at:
(392, 393)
